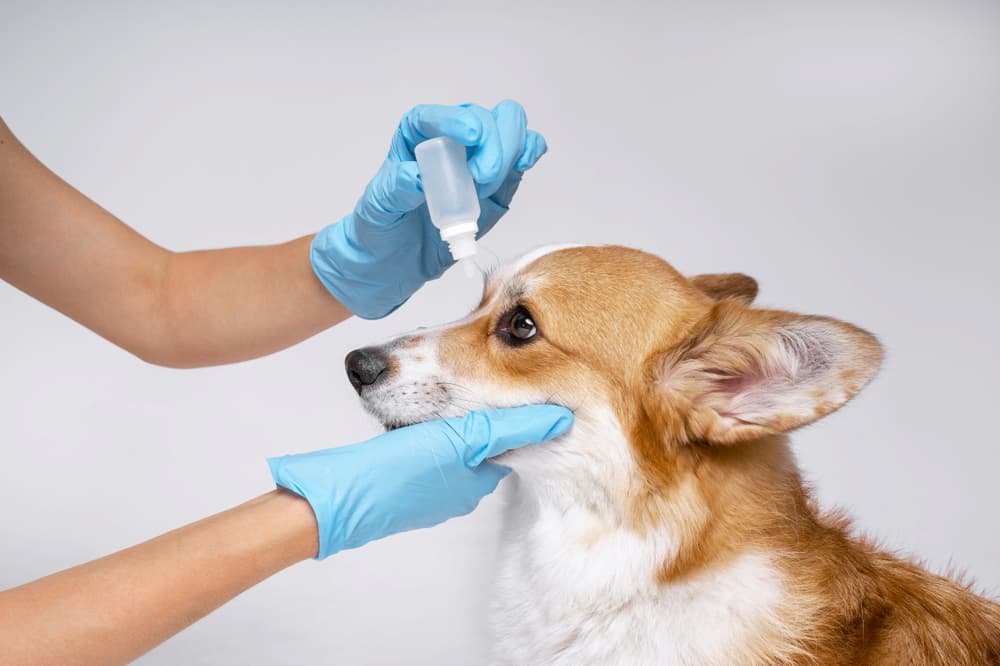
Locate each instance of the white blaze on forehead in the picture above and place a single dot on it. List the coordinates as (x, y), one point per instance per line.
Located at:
(511, 270)
(525, 260)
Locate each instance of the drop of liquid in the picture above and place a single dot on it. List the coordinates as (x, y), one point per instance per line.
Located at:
(471, 268)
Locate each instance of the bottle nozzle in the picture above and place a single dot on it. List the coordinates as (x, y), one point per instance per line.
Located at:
(462, 248)
(461, 239)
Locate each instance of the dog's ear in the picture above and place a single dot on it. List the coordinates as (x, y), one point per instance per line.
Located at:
(742, 288)
(749, 373)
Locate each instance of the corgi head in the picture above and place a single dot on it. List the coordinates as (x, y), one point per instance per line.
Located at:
(668, 377)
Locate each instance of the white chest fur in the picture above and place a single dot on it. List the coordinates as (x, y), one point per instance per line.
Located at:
(575, 586)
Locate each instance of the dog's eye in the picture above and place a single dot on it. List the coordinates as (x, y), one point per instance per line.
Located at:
(522, 327)
(519, 326)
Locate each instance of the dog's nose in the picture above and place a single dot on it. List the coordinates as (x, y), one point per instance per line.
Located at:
(365, 367)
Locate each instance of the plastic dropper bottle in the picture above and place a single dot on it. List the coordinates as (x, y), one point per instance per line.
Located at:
(451, 194)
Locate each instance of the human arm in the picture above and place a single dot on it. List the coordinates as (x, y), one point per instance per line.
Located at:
(188, 309)
(178, 309)
(116, 608)
(112, 610)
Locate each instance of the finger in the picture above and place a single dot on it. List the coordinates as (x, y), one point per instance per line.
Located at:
(512, 129)
(534, 147)
(486, 157)
(490, 475)
(490, 433)
(394, 191)
(427, 121)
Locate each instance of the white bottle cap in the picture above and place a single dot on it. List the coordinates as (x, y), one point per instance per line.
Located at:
(461, 239)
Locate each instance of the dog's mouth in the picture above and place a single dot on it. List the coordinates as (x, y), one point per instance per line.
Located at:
(401, 405)
(396, 425)
(391, 419)
(391, 424)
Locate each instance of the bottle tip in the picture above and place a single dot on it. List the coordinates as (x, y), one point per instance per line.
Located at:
(462, 247)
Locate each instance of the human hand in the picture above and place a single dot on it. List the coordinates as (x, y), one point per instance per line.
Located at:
(412, 477)
(376, 257)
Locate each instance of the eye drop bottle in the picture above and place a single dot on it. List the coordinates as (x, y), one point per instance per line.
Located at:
(451, 194)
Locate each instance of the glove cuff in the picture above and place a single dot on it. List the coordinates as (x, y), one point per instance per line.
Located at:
(334, 257)
(324, 517)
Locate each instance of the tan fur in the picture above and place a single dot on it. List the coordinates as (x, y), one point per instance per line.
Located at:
(705, 387)
(727, 285)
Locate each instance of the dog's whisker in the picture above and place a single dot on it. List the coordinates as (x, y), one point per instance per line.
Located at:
(454, 385)
(472, 402)
(445, 421)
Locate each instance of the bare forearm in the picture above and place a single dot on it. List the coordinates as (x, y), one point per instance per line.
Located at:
(223, 306)
(114, 609)
(178, 309)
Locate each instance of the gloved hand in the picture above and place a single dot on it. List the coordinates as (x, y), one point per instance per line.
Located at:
(376, 257)
(413, 477)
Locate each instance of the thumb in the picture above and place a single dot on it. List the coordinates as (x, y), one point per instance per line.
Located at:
(489, 433)
(490, 474)
(394, 191)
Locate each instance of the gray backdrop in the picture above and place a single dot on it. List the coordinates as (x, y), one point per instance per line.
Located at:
(846, 154)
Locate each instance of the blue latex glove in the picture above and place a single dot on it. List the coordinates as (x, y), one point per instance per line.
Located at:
(376, 257)
(413, 477)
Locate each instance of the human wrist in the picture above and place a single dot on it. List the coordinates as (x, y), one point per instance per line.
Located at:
(354, 273)
(290, 520)
(291, 476)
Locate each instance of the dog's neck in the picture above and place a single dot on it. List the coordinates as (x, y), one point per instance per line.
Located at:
(576, 551)
(711, 503)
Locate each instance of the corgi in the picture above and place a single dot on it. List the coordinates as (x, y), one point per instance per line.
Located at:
(670, 525)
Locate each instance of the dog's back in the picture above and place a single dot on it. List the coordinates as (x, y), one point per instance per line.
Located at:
(882, 609)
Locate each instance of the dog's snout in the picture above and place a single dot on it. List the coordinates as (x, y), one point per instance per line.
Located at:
(365, 367)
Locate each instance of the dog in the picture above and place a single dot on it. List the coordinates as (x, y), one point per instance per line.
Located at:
(670, 525)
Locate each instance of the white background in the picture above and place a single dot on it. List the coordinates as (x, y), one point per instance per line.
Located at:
(846, 154)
